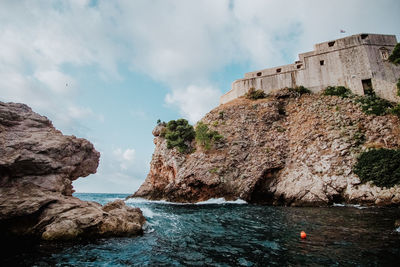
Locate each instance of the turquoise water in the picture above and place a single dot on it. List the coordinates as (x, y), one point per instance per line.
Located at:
(231, 234)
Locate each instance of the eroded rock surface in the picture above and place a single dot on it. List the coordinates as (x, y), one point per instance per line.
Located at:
(281, 150)
(37, 166)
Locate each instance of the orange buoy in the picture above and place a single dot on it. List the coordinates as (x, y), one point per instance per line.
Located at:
(303, 235)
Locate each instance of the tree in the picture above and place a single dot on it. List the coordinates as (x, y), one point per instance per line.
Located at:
(179, 134)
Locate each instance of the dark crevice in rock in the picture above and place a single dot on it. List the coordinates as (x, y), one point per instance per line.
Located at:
(261, 193)
(23, 225)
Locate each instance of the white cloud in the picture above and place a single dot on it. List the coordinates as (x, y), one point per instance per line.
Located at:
(124, 157)
(79, 112)
(181, 44)
(55, 80)
(193, 101)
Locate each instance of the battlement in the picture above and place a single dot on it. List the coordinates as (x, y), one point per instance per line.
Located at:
(355, 61)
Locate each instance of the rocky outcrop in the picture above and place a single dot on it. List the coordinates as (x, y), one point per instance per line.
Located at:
(37, 166)
(285, 149)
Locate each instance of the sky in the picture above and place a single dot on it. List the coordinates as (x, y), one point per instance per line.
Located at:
(108, 70)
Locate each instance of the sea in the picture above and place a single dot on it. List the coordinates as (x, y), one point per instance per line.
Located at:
(230, 233)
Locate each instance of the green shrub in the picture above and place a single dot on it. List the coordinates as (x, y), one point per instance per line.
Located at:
(398, 87)
(371, 104)
(255, 94)
(300, 89)
(337, 91)
(381, 166)
(178, 134)
(395, 56)
(205, 137)
(396, 110)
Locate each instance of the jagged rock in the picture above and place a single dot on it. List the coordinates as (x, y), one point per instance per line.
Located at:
(285, 149)
(37, 166)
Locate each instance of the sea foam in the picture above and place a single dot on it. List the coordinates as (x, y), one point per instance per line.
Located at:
(206, 202)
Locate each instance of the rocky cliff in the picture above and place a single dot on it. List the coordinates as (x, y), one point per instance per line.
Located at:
(284, 150)
(37, 166)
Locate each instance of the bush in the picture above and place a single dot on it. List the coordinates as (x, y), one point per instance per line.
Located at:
(398, 87)
(395, 56)
(381, 166)
(300, 89)
(396, 110)
(371, 104)
(337, 91)
(205, 137)
(255, 94)
(178, 134)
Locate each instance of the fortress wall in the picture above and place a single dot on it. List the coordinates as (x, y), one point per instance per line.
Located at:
(343, 62)
(384, 73)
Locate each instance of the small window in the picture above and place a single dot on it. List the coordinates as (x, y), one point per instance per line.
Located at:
(259, 73)
(384, 53)
(297, 62)
(330, 44)
(299, 66)
(364, 36)
(278, 70)
(322, 62)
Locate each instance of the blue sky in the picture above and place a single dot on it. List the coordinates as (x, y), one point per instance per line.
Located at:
(107, 70)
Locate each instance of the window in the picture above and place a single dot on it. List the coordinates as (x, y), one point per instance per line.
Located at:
(299, 66)
(330, 44)
(384, 53)
(278, 70)
(259, 73)
(322, 62)
(367, 87)
(364, 36)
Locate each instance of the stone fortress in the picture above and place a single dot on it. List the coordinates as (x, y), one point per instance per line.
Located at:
(358, 62)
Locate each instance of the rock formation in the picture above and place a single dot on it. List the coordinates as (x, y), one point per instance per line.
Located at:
(283, 150)
(37, 166)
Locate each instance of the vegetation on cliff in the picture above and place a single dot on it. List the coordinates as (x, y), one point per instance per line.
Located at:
(206, 137)
(255, 94)
(380, 166)
(337, 91)
(300, 90)
(395, 59)
(372, 104)
(179, 133)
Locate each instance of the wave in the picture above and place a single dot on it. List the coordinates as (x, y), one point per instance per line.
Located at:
(206, 202)
(221, 201)
(357, 206)
(148, 213)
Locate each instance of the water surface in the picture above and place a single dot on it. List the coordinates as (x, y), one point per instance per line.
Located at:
(231, 234)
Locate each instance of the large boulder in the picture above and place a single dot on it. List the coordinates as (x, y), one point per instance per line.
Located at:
(37, 166)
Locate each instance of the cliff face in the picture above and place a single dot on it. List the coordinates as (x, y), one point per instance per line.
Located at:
(282, 150)
(37, 166)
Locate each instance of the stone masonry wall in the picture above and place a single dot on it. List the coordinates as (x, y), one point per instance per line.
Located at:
(345, 61)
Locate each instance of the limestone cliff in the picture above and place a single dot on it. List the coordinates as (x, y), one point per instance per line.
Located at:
(37, 166)
(284, 150)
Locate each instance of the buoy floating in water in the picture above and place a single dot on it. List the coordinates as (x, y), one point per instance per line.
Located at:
(303, 235)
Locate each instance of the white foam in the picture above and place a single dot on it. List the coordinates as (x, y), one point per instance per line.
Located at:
(148, 213)
(221, 201)
(143, 200)
(357, 206)
(207, 202)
